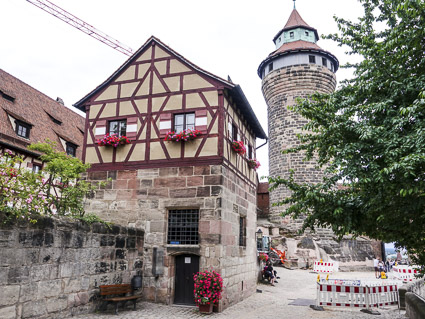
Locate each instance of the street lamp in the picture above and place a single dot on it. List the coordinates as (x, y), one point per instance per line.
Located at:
(259, 234)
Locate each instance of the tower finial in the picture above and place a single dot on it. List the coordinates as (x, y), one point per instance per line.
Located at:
(294, 4)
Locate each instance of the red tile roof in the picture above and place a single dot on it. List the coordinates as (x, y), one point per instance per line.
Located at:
(295, 20)
(296, 45)
(35, 108)
(263, 188)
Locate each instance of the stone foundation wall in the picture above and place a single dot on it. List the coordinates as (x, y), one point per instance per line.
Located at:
(141, 198)
(53, 269)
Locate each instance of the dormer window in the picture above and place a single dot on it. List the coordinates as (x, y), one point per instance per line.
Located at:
(71, 149)
(7, 96)
(118, 128)
(22, 129)
(291, 34)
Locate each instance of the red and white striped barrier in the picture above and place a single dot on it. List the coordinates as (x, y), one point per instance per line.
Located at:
(355, 296)
(325, 267)
(404, 272)
(383, 295)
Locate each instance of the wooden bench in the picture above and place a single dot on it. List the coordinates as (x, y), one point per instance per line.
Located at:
(116, 294)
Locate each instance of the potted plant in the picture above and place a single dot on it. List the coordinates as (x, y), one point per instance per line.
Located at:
(113, 140)
(239, 147)
(208, 286)
(254, 164)
(263, 257)
(185, 135)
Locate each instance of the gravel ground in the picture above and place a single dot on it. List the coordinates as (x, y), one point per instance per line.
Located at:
(272, 302)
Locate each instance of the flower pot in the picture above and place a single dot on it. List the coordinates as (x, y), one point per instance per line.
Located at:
(205, 309)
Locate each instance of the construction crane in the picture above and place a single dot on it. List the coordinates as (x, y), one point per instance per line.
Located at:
(81, 25)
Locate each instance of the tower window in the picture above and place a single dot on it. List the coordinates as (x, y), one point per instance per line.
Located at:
(279, 39)
(291, 35)
(324, 62)
(271, 67)
(311, 59)
(306, 33)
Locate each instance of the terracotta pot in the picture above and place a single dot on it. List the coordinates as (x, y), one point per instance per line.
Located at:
(206, 309)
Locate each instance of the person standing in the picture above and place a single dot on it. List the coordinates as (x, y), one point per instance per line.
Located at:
(375, 265)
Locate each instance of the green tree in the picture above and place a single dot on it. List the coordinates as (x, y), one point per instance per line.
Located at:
(56, 190)
(369, 135)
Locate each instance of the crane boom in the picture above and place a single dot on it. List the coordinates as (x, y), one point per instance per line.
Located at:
(81, 25)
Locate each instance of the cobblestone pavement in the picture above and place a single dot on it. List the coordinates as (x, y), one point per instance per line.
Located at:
(273, 302)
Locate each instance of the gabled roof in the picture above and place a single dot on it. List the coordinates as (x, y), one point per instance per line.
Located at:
(33, 107)
(295, 21)
(235, 89)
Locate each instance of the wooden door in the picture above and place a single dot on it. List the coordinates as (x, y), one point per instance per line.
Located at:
(186, 267)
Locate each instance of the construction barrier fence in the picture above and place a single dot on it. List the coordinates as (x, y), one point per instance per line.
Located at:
(404, 272)
(356, 296)
(325, 267)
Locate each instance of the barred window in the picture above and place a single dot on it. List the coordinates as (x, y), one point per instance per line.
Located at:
(183, 227)
(242, 231)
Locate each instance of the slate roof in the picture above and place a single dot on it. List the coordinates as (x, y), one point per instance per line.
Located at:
(24, 103)
(235, 89)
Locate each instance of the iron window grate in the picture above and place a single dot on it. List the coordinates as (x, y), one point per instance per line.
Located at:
(183, 227)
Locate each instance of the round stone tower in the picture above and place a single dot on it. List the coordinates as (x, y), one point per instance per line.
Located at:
(297, 68)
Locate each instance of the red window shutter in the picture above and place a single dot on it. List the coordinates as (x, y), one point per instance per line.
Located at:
(131, 128)
(164, 124)
(201, 121)
(100, 129)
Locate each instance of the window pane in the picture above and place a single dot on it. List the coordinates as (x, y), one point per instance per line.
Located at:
(123, 128)
(113, 128)
(178, 128)
(179, 119)
(190, 121)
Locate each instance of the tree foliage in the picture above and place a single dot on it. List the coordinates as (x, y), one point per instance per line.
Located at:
(369, 135)
(56, 190)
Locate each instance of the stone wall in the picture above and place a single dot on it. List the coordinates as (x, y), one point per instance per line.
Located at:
(141, 198)
(52, 269)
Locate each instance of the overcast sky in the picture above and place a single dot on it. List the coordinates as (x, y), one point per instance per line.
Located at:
(229, 37)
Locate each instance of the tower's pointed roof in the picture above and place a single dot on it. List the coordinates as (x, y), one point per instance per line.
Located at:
(296, 21)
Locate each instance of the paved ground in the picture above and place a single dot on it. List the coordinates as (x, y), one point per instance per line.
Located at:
(273, 302)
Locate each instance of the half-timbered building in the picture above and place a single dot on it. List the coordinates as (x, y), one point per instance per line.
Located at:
(195, 199)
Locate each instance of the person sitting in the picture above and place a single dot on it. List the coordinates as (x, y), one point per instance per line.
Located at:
(269, 273)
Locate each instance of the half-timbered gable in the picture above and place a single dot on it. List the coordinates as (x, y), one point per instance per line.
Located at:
(157, 91)
(195, 199)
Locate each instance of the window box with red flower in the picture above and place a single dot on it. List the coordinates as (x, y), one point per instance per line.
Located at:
(254, 164)
(208, 286)
(185, 135)
(239, 147)
(113, 140)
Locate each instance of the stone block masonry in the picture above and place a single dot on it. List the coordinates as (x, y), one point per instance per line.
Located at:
(142, 198)
(53, 269)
